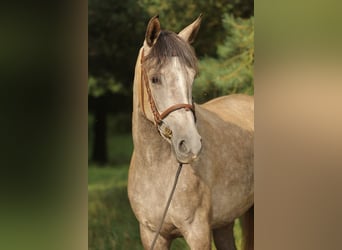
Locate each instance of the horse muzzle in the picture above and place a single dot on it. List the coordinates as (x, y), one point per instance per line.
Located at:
(187, 149)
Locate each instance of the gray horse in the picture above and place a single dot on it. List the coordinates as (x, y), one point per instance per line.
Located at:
(214, 141)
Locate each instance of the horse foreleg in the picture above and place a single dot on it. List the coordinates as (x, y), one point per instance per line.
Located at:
(198, 234)
(147, 237)
(224, 237)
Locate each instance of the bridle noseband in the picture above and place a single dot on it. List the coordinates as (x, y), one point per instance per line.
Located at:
(158, 118)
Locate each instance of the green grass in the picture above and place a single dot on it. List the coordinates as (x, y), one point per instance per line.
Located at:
(111, 223)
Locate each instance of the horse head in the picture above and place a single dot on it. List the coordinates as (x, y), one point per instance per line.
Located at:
(168, 69)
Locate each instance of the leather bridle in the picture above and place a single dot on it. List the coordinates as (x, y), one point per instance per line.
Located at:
(158, 117)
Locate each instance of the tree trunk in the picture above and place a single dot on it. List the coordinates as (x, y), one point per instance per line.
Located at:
(100, 151)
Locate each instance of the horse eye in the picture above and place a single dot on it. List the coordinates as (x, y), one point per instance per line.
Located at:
(155, 79)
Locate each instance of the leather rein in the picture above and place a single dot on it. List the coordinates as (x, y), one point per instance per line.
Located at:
(158, 117)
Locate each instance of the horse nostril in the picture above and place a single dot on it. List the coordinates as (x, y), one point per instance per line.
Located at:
(182, 147)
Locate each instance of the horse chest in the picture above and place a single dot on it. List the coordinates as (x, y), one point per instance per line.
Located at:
(149, 193)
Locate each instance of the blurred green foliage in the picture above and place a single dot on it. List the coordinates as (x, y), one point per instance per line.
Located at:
(115, 33)
(178, 14)
(232, 71)
(98, 86)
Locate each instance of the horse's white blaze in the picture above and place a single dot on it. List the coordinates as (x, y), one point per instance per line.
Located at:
(176, 81)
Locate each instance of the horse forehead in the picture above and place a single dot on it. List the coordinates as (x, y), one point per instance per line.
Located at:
(175, 62)
(174, 65)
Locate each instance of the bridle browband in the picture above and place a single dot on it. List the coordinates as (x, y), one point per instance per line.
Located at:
(158, 118)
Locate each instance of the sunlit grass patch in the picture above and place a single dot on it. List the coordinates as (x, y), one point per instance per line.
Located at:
(111, 223)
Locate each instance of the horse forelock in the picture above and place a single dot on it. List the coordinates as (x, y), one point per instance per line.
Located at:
(168, 45)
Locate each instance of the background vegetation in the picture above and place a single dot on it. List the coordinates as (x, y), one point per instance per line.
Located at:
(225, 49)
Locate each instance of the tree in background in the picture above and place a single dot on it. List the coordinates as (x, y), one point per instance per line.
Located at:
(232, 71)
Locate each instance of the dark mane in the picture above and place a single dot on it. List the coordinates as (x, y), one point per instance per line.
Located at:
(169, 44)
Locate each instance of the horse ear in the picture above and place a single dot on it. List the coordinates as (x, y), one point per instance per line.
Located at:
(153, 31)
(189, 33)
